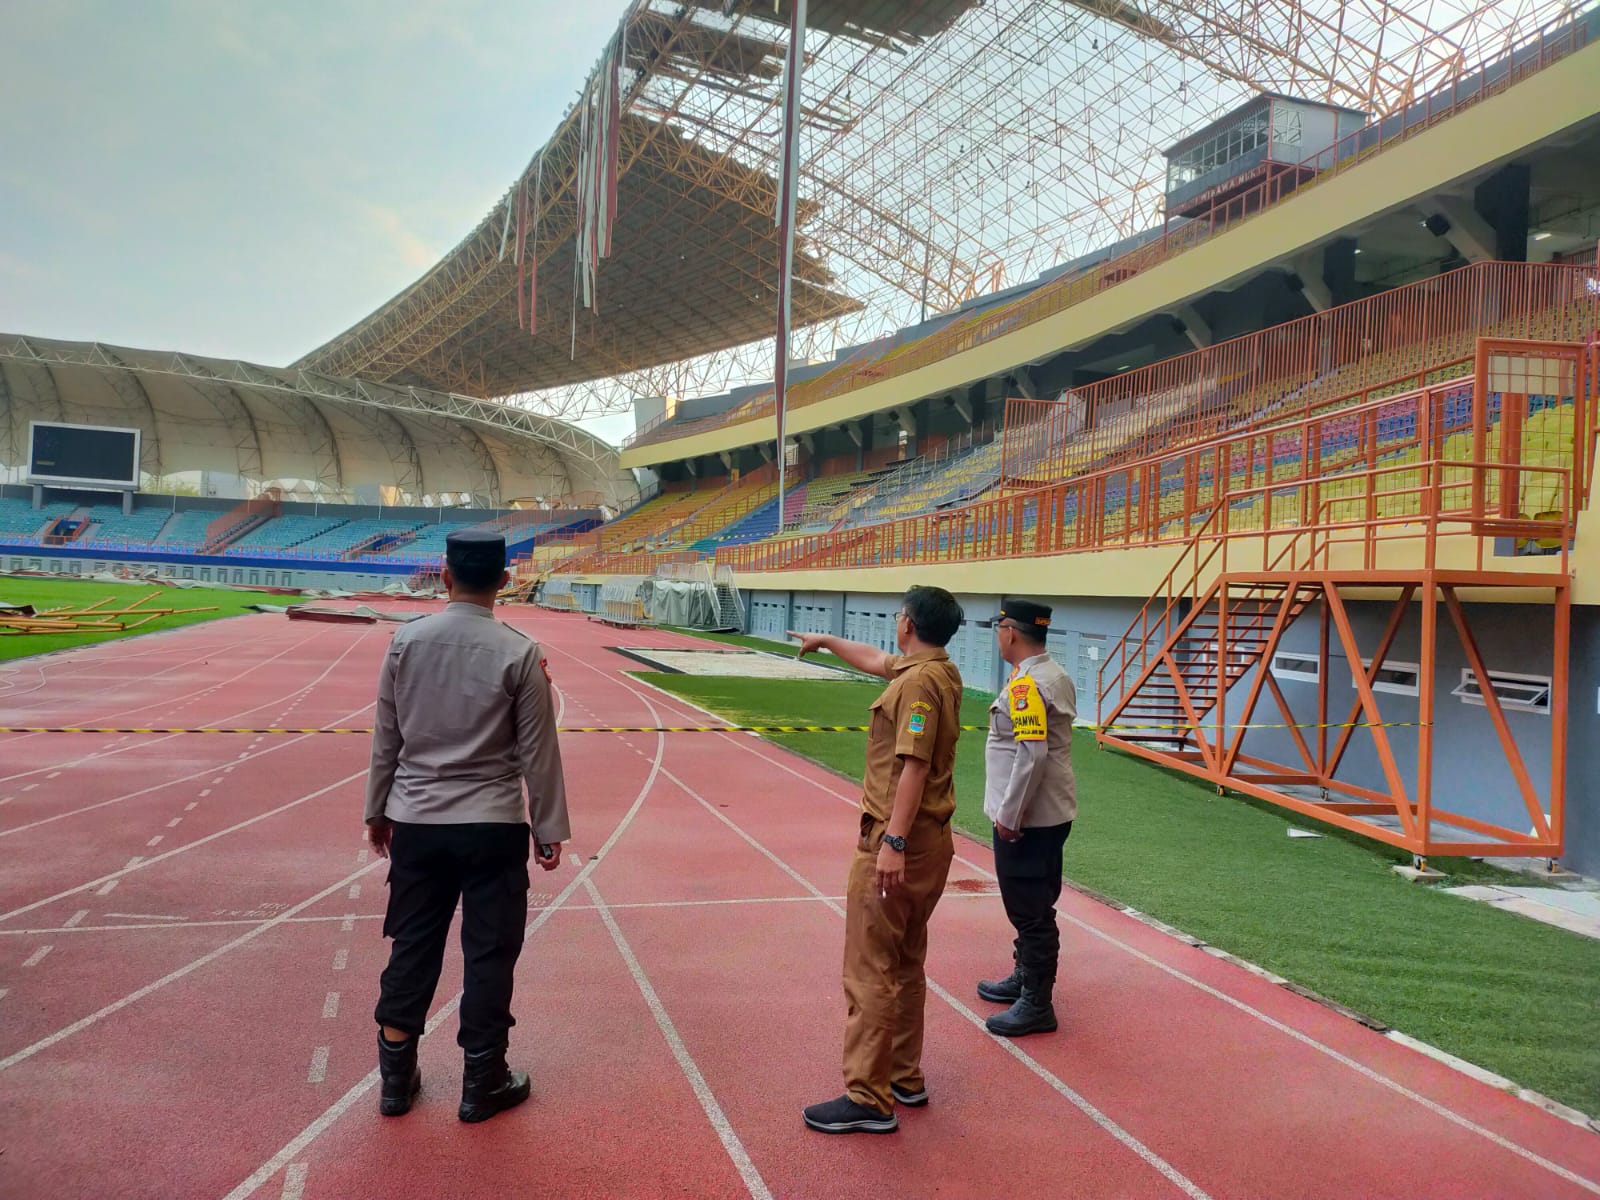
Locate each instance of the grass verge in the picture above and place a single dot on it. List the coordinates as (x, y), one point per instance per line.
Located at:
(1499, 990)
(53, 593)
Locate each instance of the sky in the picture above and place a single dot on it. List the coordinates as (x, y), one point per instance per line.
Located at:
(247, 178)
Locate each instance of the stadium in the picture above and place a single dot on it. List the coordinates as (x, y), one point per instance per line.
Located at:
(1261, 343)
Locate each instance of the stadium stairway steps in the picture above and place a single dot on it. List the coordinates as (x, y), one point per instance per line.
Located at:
(729, 615)
(1181, 678)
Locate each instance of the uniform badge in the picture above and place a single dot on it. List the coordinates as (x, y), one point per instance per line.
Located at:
(544, 665)
(917, 722)
(1019, 696)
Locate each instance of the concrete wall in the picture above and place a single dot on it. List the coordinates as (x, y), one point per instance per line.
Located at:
(1583, 744)
(1081, 632)
(1471, 776)
(239, 572)
(1470, 772)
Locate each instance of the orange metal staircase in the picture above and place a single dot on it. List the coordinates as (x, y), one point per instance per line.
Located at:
(1183, 686)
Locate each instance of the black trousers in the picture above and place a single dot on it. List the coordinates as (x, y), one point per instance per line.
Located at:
(431, 867)
(1029, 872)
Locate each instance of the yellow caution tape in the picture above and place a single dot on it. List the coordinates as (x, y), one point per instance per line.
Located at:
(1150, 728)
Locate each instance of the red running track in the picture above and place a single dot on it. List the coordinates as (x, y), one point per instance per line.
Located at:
(189, 951)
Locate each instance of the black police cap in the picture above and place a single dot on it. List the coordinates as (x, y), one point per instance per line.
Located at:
(1026, 612)
(475, 548)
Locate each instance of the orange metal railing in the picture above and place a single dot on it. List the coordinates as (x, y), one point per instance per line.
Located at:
(1557, 41)
(1389, 343)
(1290, 469)
(1514, 465)
(220, 529)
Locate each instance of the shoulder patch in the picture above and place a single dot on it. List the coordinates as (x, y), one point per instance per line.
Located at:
(1027, 709)
(544, 665)
(917, 723)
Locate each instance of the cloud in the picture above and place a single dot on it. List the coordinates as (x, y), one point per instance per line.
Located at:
(20, 270)
(407, 245)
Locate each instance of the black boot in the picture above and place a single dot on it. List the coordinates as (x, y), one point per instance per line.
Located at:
(401, 1077)
(1032, 1012)
(488, 1086)
(1002, 991)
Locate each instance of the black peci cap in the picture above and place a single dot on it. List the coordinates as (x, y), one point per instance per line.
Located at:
(475, 550)
(1026, 612)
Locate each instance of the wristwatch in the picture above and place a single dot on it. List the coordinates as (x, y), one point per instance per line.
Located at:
(897, 844)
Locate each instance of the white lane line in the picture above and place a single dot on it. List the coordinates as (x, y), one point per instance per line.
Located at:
(294, 1182)
(347, 923)
(753, 1182)
(6, 799)
(142, 863)
(330, 1006)
(53, 775)
(341, 958)
(157, 840)
(363, 854)
(75, 919)
(37, 957)
(208, 652)
(1144, 1152)
(138, 994)
(319, 1065)
(1305, 1039)
(250, 1185)
(175, 822)
(1081, 1103)
(145, 791)
(214, 782)
(30, 787)
(235, 922)
(204, 792)
(156, 917)
(110, 886)
(355, 891)
(3, 992)
(191, 806)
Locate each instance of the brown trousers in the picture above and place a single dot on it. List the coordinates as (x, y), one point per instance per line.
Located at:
(885, 945)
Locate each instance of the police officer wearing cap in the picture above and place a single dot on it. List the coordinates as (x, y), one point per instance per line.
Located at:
(464, 719)
(1030, 797)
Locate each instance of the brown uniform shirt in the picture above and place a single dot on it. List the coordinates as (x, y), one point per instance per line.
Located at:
(919, 716)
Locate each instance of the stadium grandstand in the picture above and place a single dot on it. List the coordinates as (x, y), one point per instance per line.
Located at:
(1293, 315)
(1356, 346)
(325, 482)
(1261, 342)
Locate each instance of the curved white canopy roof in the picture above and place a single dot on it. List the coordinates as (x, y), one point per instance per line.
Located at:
(271, 424)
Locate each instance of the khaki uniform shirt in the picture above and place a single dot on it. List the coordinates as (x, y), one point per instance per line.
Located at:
(465, 717)
(918, 716)
(1027, 758)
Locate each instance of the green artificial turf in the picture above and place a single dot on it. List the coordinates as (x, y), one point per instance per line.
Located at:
(53, 593)
(1497, 989)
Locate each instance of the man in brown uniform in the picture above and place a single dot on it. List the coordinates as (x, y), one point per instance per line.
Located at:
(902, 858)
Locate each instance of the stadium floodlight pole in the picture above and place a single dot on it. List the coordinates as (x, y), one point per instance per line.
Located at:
(788, 185)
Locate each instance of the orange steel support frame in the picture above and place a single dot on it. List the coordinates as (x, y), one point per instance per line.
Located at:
(1167, 690)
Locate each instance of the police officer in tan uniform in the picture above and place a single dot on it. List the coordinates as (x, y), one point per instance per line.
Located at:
(903, 853)
(1030, 797)
(464, 719)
